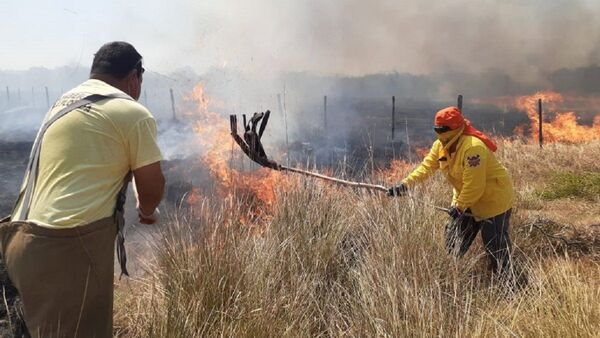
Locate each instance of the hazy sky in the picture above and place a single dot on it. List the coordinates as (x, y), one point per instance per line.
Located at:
(355, 37)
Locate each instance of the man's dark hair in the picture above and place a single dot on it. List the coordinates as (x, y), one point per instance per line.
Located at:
(117, 59)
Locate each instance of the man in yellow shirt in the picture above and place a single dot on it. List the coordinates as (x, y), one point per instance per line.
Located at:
(482, 187)
(58, 247)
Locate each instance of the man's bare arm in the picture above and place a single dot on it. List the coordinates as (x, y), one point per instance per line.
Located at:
(150, 186)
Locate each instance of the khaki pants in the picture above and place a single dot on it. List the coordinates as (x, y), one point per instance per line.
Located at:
(64, 276)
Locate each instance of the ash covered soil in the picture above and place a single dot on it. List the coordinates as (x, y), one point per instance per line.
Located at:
(12, 169)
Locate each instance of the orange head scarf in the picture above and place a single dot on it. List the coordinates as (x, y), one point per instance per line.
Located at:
(452, 118)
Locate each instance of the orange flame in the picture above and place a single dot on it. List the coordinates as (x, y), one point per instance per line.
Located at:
(194, 197)
(397, 170)
(213, 136)
(422, 152)
(563, 128)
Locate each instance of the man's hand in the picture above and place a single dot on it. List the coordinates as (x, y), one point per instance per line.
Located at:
(148, 219)
(455, 212)
(399, 190)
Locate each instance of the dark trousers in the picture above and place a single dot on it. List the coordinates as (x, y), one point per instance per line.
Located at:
(461, 232)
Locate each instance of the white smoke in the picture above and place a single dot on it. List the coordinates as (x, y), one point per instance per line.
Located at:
(355, 37)
(348, 37)
(20, 124)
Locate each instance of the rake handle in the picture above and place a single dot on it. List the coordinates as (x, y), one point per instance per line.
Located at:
(336, 180)
(360, 185)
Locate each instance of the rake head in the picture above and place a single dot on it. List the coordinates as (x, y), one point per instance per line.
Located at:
(251, 144)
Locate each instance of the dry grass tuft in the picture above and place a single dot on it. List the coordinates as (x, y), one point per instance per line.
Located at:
(335, 262)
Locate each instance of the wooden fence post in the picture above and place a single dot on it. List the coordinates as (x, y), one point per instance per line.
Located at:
(47, 97)
(325, 113)
(393, 117)
(173, 104)
(540, 123)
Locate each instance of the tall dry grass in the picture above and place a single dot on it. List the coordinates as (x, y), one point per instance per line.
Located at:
(334, 262)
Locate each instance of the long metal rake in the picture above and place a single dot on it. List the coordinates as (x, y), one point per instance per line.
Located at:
(251, 146)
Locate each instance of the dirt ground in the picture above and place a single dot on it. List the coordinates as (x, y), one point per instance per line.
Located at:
(12, 168)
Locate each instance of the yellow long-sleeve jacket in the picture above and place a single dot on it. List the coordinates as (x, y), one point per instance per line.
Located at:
(480, 182)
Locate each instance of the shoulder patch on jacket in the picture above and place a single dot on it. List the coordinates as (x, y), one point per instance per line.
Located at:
(473, 161)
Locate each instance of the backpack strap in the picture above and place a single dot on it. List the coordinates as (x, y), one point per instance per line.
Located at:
(120, 222)
(32, 168)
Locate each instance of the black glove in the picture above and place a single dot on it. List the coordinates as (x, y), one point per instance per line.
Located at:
(455, 212)
(399, 190)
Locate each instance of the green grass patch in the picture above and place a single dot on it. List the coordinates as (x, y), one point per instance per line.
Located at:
(566, 185)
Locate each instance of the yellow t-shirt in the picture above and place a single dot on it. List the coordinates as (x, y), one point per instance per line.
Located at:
(86, 154)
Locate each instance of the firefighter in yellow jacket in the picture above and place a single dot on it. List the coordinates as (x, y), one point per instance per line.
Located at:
(482, 187)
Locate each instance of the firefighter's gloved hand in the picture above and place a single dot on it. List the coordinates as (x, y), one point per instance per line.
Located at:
(399, 190)
(148, 219)
(455, 212)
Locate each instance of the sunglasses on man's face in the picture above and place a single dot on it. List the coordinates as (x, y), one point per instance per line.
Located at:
(441, 129)
(140, 69)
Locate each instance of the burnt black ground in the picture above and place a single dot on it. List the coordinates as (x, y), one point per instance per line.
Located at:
(12, 169)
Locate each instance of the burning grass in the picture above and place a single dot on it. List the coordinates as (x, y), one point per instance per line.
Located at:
(563, 127)
(335, 262)
(264, 254)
